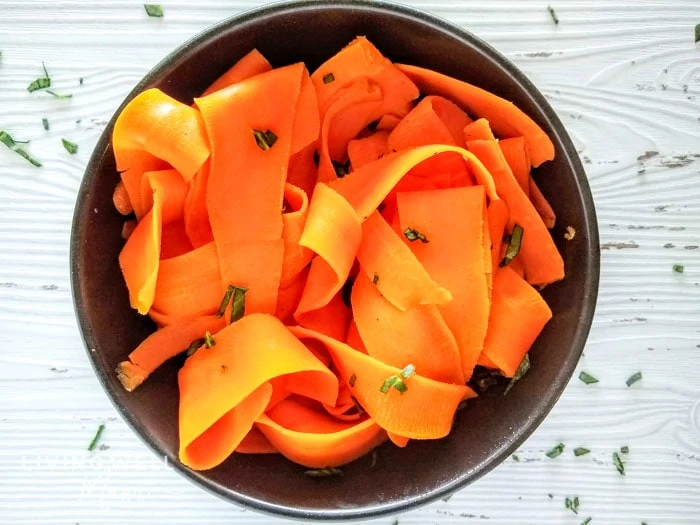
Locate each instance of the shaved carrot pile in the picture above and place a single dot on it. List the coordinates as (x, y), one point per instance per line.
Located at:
(333, 254)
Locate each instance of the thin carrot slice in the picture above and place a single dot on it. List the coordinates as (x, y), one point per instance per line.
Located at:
(307, 119)
(539, 201)
(315, 440)
(514, 151)
(366, 187)
(424, 411)
(289, 296)
(195, 211)
(296, 257)
(541, 259)
(506, 119)
(163, 127)
(224, 389)
(418, 336)
(121, 199)
(480, 129)
(255, 442)
(452, 222)
(518, 314)
(139, 259)
(189, 285)
(368, 149)
(332, 231)
(250, 65)
(245, 211)
(394, 270)
(172, 191)
(397, 440)
(360, 59)
(174, 240)
(303, 171)
(388, 122)
(348, 114)
(332, 319)
(160, 346)
(435, 120)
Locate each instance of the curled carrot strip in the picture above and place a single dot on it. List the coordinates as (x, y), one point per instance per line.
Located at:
(226, 388)
(506, 119)
(296, 257)
(424, 411)
(250, 65)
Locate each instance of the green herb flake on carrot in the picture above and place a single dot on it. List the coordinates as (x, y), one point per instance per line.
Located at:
(375, 278)
(226, 299)
(238, 303)
(264, 139)
(408, 371)
(154, 10)
(97, 437)
(352, 380)
(328, 78)
(514, 243)
(11, 143)
(209, 340)
(414, 235)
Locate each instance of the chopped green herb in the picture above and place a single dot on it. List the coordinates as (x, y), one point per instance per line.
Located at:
(327, 79)
(154, 10)
(11, 143)
(226, 299)
(572, 504)
(209, 340)
(400, 386)
(556, 451)
(408, 371)
(41, 82)
(324, 472)
(59, 95)
(550, 496)
(387, 384)
(194, 346)
(553, 14)
(516, 457)
(341, 168)
(71, 147)
(352, 380)
(625, 449)
(414, 235)
(514, 243)
(45, 123)
(96, 439)
(375, 278)
(581, 451)
(697, 39)
(264, 139)
(586, 521)
(633, 378)
(238, 303)
(587, 378)
(523, 367)
(678, 268)
(619, 465)
(394, 381)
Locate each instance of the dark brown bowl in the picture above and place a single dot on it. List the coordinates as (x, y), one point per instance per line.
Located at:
(486, 432)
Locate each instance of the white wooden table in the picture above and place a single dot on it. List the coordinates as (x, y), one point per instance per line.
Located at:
(625, 80)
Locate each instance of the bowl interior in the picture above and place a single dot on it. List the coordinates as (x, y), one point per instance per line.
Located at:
(485, 432)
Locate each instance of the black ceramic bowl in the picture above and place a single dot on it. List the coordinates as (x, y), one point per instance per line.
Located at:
(492, 426)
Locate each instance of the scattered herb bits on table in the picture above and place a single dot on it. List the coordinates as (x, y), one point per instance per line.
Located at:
(324, 311)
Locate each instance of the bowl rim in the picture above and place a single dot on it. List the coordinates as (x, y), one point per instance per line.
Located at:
(591, 278)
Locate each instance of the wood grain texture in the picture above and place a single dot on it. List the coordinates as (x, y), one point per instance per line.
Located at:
(625, 79)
